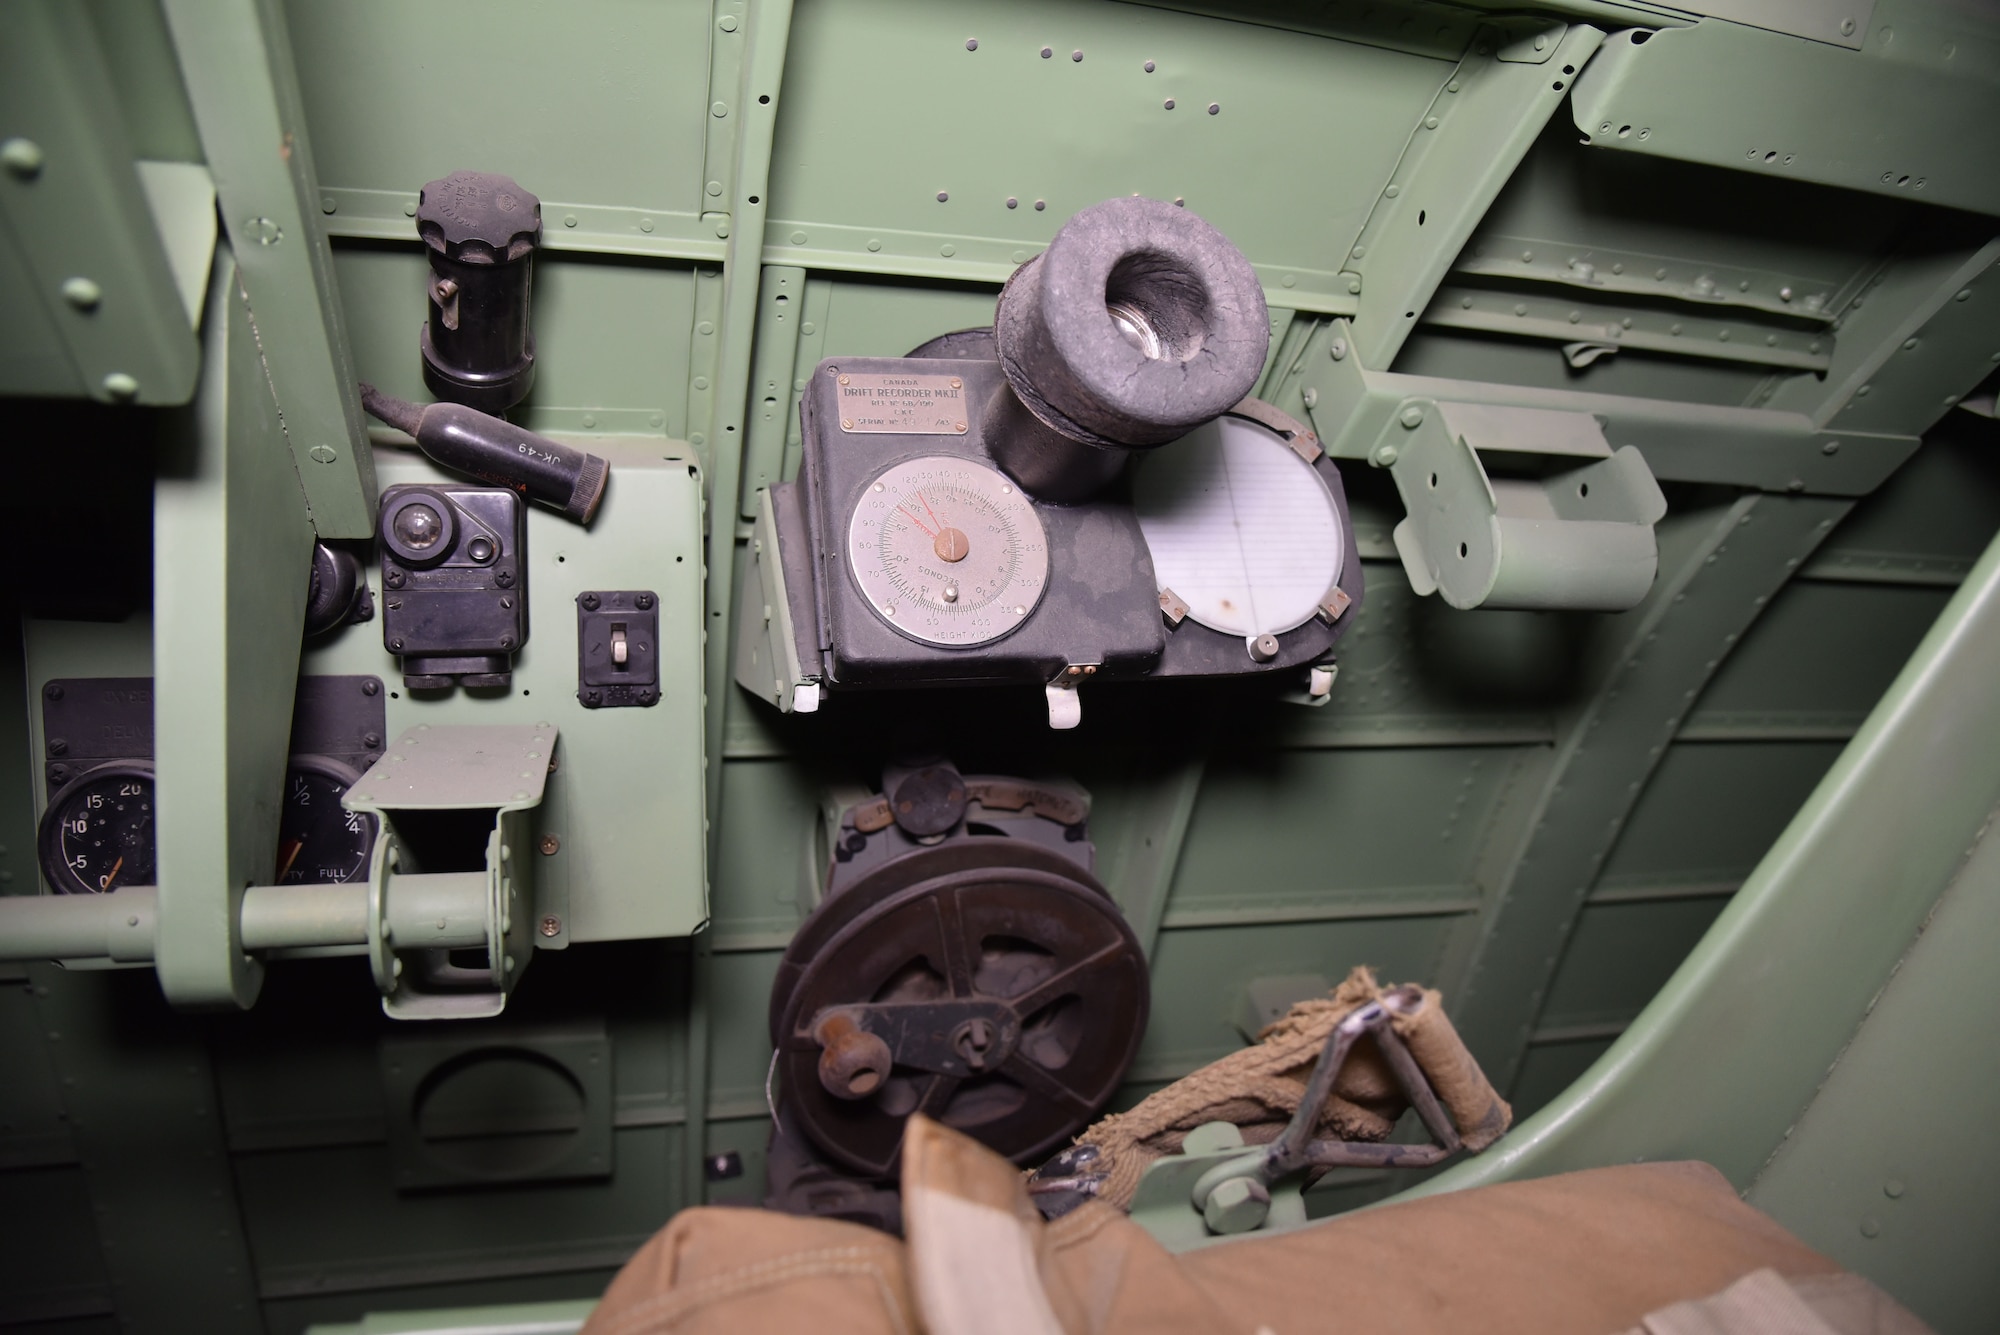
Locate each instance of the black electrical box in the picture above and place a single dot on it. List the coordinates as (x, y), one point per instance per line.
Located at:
(454, 583)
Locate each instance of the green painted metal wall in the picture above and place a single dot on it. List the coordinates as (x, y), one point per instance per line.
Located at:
(1540, 813)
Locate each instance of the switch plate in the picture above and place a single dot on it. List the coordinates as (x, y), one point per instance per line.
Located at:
(618, 648)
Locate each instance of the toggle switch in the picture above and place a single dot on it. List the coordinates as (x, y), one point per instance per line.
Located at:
(618, 648)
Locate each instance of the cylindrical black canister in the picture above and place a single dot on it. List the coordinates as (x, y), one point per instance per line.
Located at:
(480, 231)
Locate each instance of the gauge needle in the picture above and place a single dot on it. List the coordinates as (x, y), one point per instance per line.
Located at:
(927, 509)
(112, 875)
(928, 532)
(291, 850)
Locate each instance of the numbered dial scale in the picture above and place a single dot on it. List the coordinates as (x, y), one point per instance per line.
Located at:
(319, 841)
(948, 551)
(97, 834)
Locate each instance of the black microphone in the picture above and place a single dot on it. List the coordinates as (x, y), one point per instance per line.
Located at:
(498, 452)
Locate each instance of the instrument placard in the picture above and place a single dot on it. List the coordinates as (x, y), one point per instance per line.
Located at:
(902, 405)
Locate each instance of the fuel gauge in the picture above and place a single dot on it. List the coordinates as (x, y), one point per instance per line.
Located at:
(320, 842)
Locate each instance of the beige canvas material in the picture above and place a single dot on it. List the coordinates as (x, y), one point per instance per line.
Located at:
(1587, 1253)
(1584, 1253)
(972, 1235)
(1259, 1087)
(983, 1262)
(1763, 1302)
(716, 1271)
(1476, 1108)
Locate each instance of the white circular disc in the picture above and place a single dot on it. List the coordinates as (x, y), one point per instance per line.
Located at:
(1240, 527)
(910, 524)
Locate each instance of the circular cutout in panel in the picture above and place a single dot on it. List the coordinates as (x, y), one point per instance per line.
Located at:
(1240, 527)
(499, 1113)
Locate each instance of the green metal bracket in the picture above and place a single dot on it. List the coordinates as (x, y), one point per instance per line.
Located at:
(1751, 100)
(89, 275)
(780, 326)
(496, 769)
(1166, 1204)
(232, 548)
(1778, 449)
(236, 57)
(1570, 318)
(1472, 136)
(1581, 538)
(1923, 334)
(767, 656)
(767, 34)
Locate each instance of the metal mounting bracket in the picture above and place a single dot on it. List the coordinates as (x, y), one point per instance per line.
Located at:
(450, 799)
(1579, 537)
(769, 663)
(1065, 705)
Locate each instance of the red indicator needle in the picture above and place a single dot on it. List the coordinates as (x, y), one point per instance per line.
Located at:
(292, 848)
(927, 510)
(928, 532)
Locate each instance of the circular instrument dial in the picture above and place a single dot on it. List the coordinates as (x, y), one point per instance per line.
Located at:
(319, 841)
(1243, 530)
(948, 551)
(97, 835)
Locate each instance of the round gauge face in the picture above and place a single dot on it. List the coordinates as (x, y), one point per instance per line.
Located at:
(97, 835)
(948, 551)
(1243, 530)
(320, 842)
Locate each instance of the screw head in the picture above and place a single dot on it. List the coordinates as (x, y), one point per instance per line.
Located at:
(82, 293)
(506, 641)
(22, 158)
(395, 579)
(372, 740)
(552, 926)
(58, 747)
(591, 602)
(371, 687)
(549, 845)
(59, 774)
(592, 699)
(644, 601)
(504, 578)
(53, 690)
(1385, 456)
(396, 645)
(1412, 417)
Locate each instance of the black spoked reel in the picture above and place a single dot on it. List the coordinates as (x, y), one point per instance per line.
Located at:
(987, 981)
